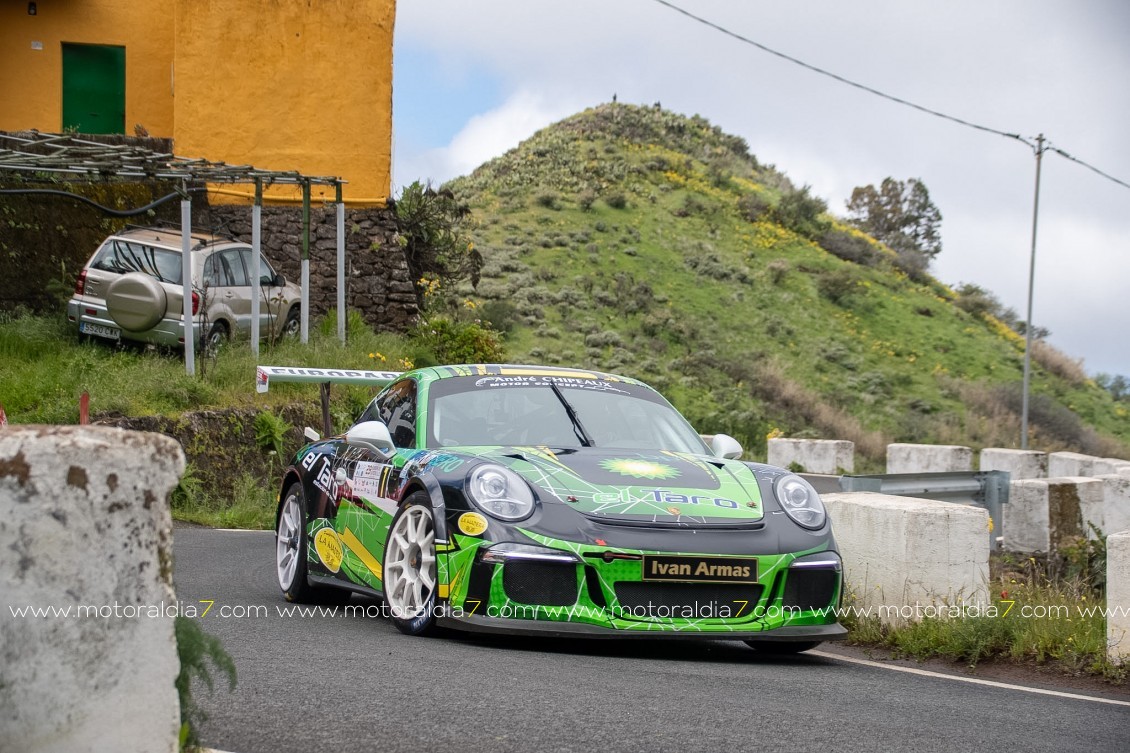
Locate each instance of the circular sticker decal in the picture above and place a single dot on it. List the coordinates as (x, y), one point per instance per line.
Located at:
(328, 546)
(472, 524)
(639, 468)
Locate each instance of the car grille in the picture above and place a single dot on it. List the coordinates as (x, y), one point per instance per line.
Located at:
(549, 584)
(649, 601)
(810, 589)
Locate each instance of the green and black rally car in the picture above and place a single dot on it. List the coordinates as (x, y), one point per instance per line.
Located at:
(543, 500)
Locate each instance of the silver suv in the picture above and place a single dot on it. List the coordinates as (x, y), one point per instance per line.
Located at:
(131, 289)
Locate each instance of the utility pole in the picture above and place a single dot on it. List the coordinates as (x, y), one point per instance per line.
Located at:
(1031, 281)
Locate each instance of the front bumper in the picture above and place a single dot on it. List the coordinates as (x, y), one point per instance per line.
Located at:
(597, 591)
(509, 626)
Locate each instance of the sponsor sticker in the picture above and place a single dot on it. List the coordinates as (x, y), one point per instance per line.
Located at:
(700, 569)
(367, 480)
(472, 524)
(328, 546)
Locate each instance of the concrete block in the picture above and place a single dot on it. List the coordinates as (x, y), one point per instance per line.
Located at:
(86, 538)
(1116, 503)
(1042, 515)
(1109, 466)
(1064, 464)
(1020, 464)
(1118, 597)
(833, 456)
(928, 458)
(902, 555)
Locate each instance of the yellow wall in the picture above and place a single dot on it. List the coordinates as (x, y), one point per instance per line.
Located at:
(288, 85)
(300, 85)
(31, 81)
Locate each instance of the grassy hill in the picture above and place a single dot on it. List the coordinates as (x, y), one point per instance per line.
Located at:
(636, 240)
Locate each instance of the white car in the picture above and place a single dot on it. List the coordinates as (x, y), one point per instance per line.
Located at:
(131, 289)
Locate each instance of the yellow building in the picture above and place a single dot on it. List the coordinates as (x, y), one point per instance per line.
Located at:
(279, 84)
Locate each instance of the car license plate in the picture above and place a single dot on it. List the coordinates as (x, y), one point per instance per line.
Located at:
(100, 330)
(700, 569)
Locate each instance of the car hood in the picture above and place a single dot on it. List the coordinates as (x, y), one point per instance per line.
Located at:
(637, 486)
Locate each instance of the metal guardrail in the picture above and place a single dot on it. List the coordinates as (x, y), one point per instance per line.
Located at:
(987, 489)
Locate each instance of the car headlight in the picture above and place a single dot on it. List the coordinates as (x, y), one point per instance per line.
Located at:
(800, 501)
(500, 492)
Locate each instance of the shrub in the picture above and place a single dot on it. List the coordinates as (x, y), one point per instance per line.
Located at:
(1055, 361)
(500, 315)
(547, 199)
(753, 206)
(452, 341)
(838, 286)
(849, 247)
(616, 200)
(777, 269)
(800, 211)
(586, 198)
(913, 264)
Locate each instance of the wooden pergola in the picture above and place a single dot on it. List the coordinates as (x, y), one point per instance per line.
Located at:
(33, 153)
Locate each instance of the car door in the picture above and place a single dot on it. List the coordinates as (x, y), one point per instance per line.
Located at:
(270, 306)
(369, 486)
(237, 296)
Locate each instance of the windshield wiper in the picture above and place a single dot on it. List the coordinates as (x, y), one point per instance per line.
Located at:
(578, 427)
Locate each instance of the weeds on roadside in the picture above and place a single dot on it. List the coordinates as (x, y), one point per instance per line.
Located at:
(1047, 612)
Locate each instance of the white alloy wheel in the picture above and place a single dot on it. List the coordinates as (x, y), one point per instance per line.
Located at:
(289, 540)
(410, 569)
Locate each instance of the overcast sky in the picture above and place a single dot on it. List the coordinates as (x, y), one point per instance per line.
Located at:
(473, 79)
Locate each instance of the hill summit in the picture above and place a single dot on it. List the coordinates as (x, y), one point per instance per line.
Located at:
(637, 240)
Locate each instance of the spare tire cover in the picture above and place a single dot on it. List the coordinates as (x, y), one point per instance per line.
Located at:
(136, 301)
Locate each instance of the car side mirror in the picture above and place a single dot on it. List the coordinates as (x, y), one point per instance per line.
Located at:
(275, 282)
(725, 446)
(372, 436)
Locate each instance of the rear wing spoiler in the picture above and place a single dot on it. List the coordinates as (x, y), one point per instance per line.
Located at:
(264, 375)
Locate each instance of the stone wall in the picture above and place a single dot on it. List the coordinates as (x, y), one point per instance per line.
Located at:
(377, 281)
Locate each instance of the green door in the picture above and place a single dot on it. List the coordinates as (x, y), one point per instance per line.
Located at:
(94, 88)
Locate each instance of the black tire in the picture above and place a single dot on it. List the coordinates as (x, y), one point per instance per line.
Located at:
(293, 324)
(217, 337)
(291, 546)
(409, 563)
(782, 648)
(291, 543)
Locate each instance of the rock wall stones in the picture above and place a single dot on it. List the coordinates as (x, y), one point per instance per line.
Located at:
(377, 281)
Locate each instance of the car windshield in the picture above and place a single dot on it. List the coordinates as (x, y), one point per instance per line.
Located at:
(122, 257)
(528, 411)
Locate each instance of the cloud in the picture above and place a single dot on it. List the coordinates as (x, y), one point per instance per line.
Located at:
(485, 136)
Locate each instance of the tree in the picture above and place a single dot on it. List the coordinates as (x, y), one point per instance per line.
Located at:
(1117, 385)
(431, 225)
(900, 214)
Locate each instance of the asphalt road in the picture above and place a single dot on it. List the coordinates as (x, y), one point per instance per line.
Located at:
(320, 683)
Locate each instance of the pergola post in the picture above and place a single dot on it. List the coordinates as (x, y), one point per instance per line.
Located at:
(305, 261)
(256, 271)
(186, 279)
(340, 263)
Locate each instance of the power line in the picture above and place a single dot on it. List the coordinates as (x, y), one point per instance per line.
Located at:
(884, 95)
(840, 78)
(1092, 168)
